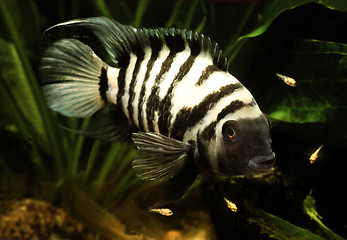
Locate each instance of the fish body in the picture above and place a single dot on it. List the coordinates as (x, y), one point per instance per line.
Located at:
(169, 91)
(287, 80)
(314, 155)
(162, 211)
(232, 206)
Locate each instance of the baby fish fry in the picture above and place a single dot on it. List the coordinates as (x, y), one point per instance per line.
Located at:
(232, 206)
(288, 80)
(314, 155)
(162, 211)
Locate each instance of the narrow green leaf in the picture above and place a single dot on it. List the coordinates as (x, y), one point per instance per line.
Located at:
(278, 228)
(309, 206)
(234, 38)
(190, 15)
(174, 13)
(24, 127)
(14, 74)
(201, 25)
(111, 157)
(20, 77)
(103, 8)
(91, 159)
(140, 11)
(77, 151)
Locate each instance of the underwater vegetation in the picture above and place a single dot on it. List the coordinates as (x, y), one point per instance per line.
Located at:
(56, 184)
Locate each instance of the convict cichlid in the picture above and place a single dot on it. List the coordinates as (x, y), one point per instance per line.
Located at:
(169, 91)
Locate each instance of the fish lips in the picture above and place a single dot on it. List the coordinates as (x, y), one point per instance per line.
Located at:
(262, 163)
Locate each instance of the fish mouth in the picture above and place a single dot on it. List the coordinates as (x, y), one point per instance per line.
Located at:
(262, 163)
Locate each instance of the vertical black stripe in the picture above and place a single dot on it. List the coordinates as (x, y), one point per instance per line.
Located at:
(121, 85)
(231, 108)
(132, 84)
(143, 88)
(174, 40)
(176, 43)
(210, 131)
(153, 102)
(103, 84)
(188, 117)
(165, 104)
(137, 47)
(206, 74)
(156, 46)
(180, 125)
(194, 43)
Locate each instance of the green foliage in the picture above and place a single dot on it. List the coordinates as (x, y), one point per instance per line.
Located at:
(270, 13)
(103, 170)
(18, 79)
(309, 206)
(319, 70)
(29, 117)
(280, 229)
(318, 67)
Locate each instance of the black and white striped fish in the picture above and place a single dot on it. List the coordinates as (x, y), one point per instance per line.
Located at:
(170, 92)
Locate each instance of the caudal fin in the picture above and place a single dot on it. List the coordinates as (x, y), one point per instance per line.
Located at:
(74, 79)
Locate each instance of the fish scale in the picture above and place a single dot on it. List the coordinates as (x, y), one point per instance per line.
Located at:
(169, 92)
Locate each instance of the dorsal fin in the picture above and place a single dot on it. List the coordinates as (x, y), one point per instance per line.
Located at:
(120, 40)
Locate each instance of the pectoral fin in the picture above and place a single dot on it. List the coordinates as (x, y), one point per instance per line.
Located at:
(160, 158)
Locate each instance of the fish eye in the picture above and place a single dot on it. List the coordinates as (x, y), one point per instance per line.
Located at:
(228, 130)
(229, 133)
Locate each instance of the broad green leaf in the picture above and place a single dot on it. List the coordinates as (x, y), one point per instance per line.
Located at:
(271, 12)
(320, 70)
(276, 7)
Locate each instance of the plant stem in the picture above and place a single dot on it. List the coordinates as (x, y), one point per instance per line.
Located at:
(109, 159)
(77, 150)
(174, 13)
(102, 7)
(91, 159)
(233, 45)
(190, 15)
(140, 11)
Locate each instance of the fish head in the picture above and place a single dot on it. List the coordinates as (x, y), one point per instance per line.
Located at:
(245, 146)
(240, 146)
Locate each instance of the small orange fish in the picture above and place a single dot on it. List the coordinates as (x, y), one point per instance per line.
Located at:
(162, 211)
(314, 155)
(232, 206)
(288, 80)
